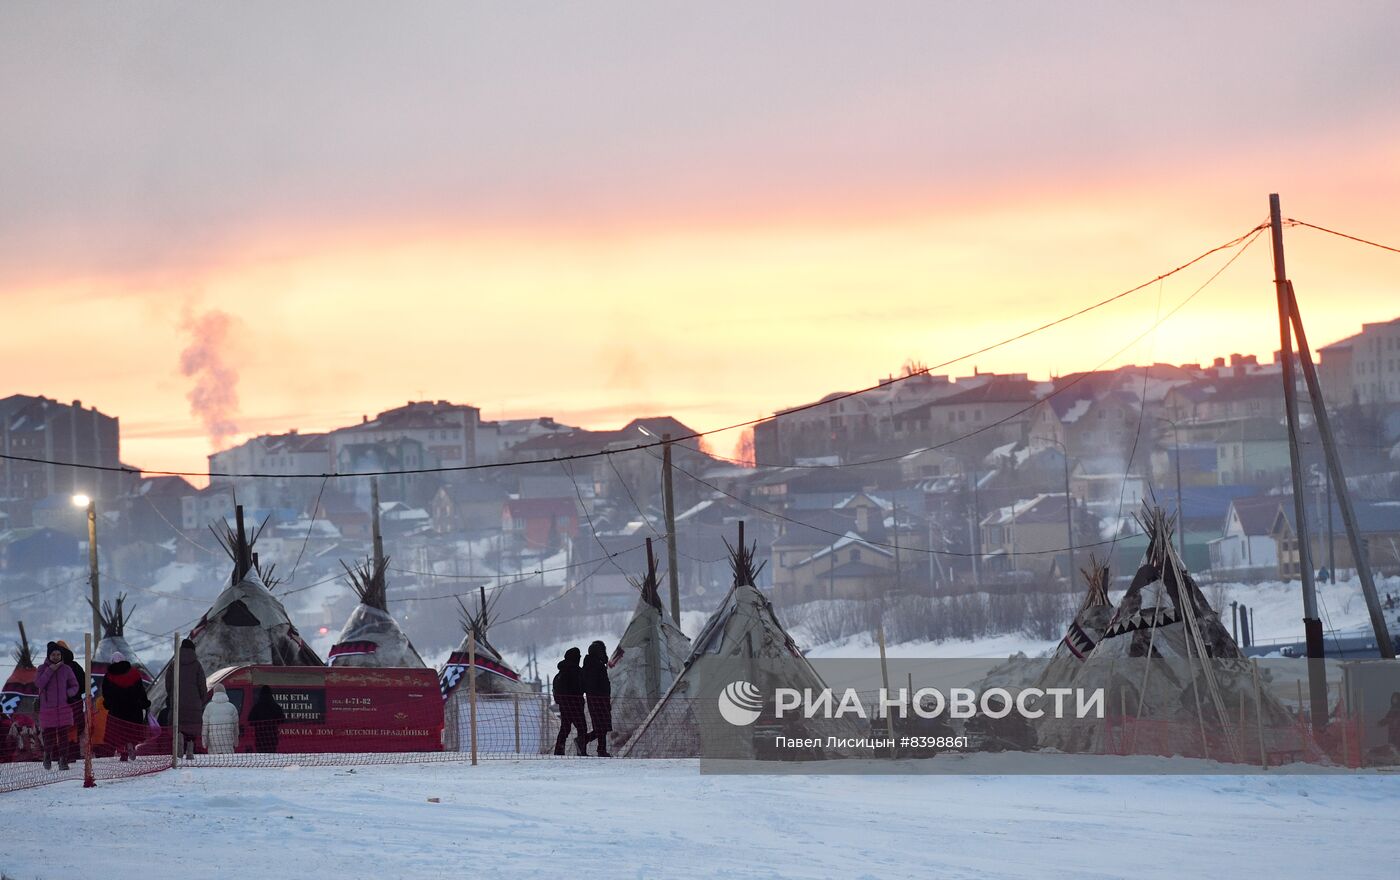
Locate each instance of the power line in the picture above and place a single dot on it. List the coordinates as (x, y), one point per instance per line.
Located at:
(1249, 239)
(580, 456)
(1384, 247)
(315, 509)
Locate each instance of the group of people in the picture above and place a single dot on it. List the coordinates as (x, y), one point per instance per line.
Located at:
(121, 719)
(584, 694)
(209, 718)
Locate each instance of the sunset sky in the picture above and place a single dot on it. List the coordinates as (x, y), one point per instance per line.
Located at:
(602, 210)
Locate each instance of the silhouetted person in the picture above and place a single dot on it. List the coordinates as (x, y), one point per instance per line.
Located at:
(568, 693)
(194, 691)
(597, 689)
(264, 717)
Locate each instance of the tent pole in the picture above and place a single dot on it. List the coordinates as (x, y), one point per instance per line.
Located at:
(471, 691)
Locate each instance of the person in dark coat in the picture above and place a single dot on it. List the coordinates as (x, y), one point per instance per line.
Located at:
(57, 687)
(124, 695)
(194, 693)
(79, 714)
(568, 693)
(264, 718)
(597, 689)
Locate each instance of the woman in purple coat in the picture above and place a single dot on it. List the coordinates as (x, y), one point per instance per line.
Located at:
(57, 687)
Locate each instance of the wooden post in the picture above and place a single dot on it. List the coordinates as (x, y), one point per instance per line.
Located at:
(173, 704)
(1339, 479)
(515, 703)
(92, 567)
(1312, 624)
(88, 780)
(471, 692)
(885, 676)
(1258, 713)
(669, 501)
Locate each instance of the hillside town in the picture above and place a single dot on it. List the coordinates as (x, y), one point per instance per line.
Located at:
(926, 486)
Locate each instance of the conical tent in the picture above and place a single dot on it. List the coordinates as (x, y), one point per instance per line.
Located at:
(493, 675)
(1166, 658)
(647, 660)
(371, 637)
(114, 616)
(743, 642)
(20, 696)
(1087, 628)
(245, 626)
(1084, 632)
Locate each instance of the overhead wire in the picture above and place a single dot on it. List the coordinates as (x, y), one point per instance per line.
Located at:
(1246, 241)
(690, 436)
(1385, 247)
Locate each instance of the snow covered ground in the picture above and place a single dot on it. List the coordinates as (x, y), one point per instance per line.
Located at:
(624, 819)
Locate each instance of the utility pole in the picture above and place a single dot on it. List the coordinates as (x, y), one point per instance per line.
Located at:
(1339, 479)
(1312, 625)
(92, 568)
(1180, 510)
(669, 499)
(1331, 537)
(378, 539)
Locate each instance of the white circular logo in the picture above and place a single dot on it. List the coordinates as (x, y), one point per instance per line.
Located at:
(740, 703)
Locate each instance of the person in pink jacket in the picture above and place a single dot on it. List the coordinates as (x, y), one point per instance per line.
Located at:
(57, 686)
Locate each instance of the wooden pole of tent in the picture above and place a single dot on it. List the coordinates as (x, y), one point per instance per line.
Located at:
(173, 704)
(471, 692)
(88, 780)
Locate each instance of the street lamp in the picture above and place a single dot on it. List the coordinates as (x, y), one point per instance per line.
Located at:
(1069, 507)
(81, 500)
(1180, 511)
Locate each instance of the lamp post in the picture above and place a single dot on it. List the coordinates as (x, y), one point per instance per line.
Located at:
(91, 505)
(1069, 507)
(1180, 511)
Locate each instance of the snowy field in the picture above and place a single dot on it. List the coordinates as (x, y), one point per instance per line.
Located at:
(625, 819)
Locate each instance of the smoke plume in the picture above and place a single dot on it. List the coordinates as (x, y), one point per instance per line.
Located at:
(214, 397)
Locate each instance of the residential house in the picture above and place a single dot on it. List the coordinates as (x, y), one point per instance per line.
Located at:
(1015, 535)
(1241, 395)
(467, 507)
(41, 428)
(540, 523)
(1248, 548)
(33, 550)
(157, 506)
(1372, 358)
(288, 460)
(994, 413)
(1252, 452)
(848, 567)
(1378, 522)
